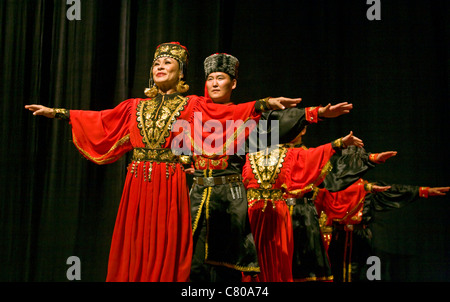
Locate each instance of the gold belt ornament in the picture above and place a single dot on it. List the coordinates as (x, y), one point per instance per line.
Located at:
(266, 194)
(263, 195)
(157, 155)
(145, 157)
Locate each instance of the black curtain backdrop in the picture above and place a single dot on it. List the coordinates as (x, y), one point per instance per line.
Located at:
(55, 204)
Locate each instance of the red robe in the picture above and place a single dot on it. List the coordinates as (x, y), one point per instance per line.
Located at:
(152, 238)
(293, 172)
(344, 207)
(349, 212)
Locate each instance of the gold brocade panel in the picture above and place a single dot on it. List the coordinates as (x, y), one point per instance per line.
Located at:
(266, 165)
(156, 116)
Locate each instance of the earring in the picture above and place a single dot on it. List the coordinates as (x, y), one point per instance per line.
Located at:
(182, 87)
(151, 92)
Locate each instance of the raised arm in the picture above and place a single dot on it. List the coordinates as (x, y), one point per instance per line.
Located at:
(436, 191)
(48, 112)
(331, 111)
(351, 140)
(281, 103)
(399, 195)
(100, 136)
(378, 158)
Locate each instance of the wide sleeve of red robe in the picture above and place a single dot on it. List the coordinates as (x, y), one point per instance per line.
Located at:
(344, 206)
(306, 168)
(103, 136)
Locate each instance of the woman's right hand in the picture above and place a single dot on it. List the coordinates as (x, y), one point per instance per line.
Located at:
(41, 110)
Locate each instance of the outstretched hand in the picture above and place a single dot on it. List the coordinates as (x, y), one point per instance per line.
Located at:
(377, 188)
(383, 156)
(283, 103)
(41, 110)
(350, 139)
(331, 111)
(438, 191)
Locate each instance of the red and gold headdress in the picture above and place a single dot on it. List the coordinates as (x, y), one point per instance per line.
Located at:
(175, 51)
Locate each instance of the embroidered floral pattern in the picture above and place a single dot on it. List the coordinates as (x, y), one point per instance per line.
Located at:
(267, 165)
(202, 163)
(156, 116)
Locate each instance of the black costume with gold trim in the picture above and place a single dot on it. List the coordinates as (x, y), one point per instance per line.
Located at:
(221, 229)
(350, 246)
(310, 259)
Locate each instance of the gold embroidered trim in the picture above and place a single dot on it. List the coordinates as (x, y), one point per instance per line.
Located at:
(205, 196)
(267, 166)
(254, 195)
(101, 159)
(174, 51)
(325, 278)
(204, 163)
(368, 186)
(158, 155)
(264, 105)
(338, 143)
(61, 113)
(155, 118)
(207, 216)
(352, 212)
(323, 219)
(300, 192)
(323, 173)
(255, 269)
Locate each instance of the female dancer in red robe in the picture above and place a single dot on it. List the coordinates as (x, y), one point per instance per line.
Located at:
(274, 177)
(152, 239)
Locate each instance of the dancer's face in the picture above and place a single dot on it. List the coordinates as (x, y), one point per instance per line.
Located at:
(166, 73)
(220, 86)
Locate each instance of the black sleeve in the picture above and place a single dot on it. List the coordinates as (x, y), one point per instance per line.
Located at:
(349, 165)
(291, 122)
(396, 197)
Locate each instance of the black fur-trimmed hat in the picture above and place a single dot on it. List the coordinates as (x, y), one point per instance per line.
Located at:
(221, 62)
